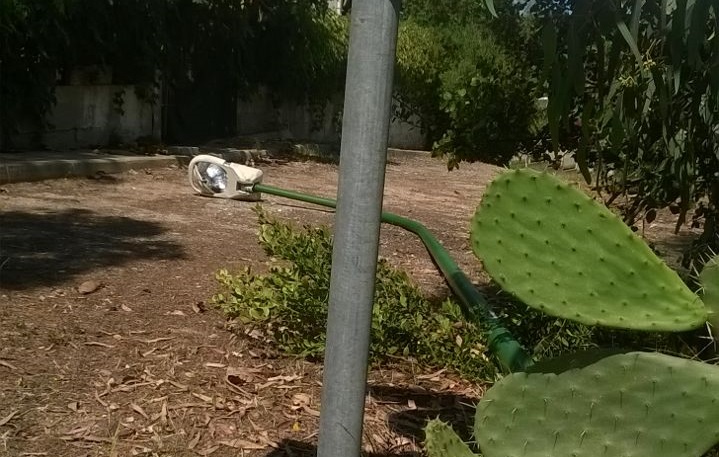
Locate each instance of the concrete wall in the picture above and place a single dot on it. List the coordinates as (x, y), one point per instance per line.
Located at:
(335, 5)
(88, 116)
(258, 115)
(404, 135)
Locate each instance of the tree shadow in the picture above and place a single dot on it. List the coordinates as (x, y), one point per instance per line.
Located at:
(48, 248)
(456, 409)
(293, 448)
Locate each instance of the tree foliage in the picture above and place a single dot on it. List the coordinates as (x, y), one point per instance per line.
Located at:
(464, 78)
(488, 97)
(296, 47)
(638, 84)
(32, 38)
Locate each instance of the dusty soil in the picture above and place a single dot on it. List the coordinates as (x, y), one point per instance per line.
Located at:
(109, 348)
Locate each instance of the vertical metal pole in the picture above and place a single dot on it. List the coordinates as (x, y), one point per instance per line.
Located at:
(2, 111)
(365, 128)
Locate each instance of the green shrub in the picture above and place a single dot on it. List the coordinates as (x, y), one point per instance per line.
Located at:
(488, 98)
(474, 98)
(304, 53)
(289, 306)
(420, 62)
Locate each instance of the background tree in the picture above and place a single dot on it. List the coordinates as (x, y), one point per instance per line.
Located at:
(638, 83)
(32, 42)
(230, 45)
(465, 78)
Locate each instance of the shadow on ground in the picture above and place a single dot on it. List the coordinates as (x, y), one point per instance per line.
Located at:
(455, 409)
(292, 448)
(47, 248)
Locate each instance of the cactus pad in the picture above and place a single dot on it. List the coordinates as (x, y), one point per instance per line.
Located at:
(709, 278)
(442, 441)
(634, 404)
(563, 253)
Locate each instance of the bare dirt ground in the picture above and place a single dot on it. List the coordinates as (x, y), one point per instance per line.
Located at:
(109, 348)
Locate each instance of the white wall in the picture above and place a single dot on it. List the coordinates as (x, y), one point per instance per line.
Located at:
(291, 120)
(335, 5)
(87, 116)
(403, 135)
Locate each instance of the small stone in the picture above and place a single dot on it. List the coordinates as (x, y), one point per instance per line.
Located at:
(89, 287)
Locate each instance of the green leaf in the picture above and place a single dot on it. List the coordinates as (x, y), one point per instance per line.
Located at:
(616, 134)
(490, 7)
(575, 61)
(533, 232)
(697, 31)
(587, 114)
(676, 41)
(554, 109)
(626, 34)
(636, 16)
(442, 441)
(648, 97)
(661, 91)
(663, 12)
(549, 45)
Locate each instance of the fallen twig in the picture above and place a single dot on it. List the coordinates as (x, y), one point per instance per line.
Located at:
(8, 418)
(97, 343)
(8, 365)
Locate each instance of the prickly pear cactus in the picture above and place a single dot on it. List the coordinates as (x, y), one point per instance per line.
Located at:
(561, 252)
(442, 441)
(634, 404)
(709, 278)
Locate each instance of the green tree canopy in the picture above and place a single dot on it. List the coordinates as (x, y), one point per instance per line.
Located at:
(297, 48)
(638, 84)
(466, 77)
